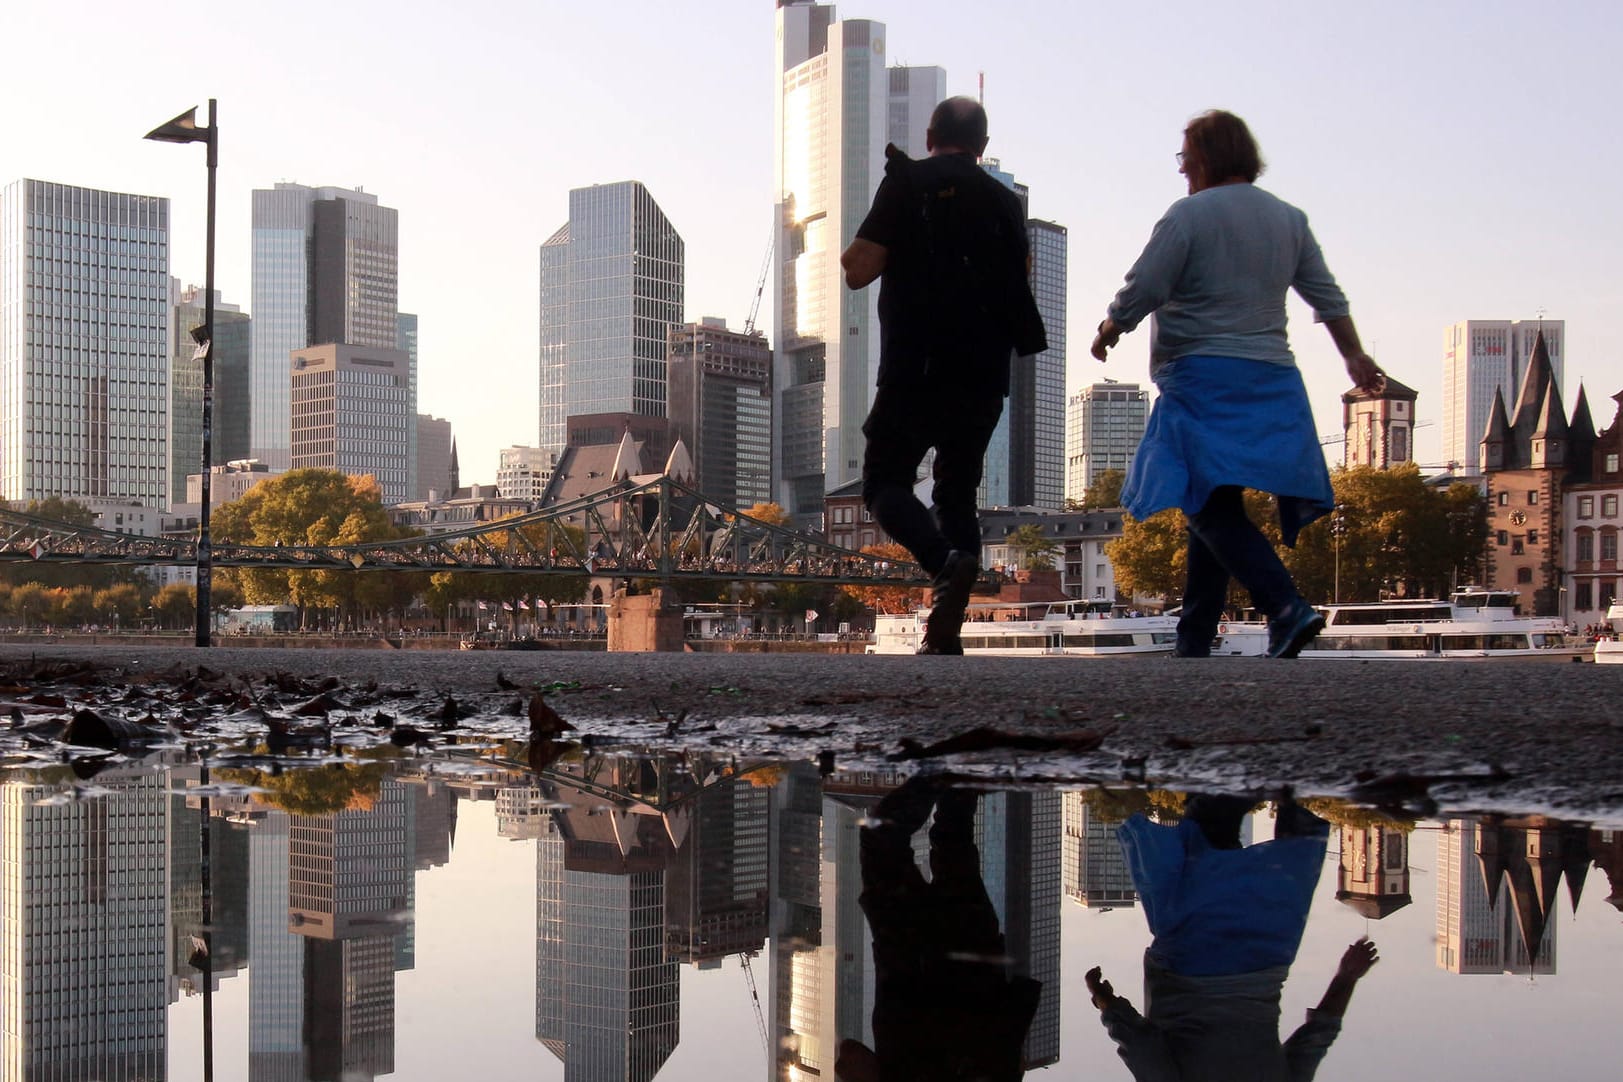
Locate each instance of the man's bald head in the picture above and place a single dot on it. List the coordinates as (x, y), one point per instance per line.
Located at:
(958, 125)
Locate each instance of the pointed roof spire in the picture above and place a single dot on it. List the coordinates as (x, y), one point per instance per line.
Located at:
(679, 466)
(1498, 422)
(1582, 425)
(1535, 381)
(627, 459)
(1552, 421)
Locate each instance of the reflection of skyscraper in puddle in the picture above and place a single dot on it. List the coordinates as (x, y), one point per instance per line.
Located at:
(322, 983)
(606, 995)
(716, 887)
(1374, 875)
(822, 977)
(78, 907)
(275, 959)
(822, 980)
(1093, 866)
(1498, 881)
(1020, 863)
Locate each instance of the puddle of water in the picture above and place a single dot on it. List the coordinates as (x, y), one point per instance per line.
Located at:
(687, 917)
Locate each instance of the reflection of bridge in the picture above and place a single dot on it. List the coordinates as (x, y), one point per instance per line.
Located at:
(657, 529)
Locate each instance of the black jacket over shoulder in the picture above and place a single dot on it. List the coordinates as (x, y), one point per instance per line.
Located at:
(955, 300)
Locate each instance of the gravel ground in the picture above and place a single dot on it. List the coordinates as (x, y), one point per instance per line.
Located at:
(1467, 736)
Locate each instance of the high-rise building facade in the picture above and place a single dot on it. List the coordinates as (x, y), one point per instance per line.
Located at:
(350, 412)
(1025, 461)
(611, 283)
(1481, 356)
(1045, 421)
(229, 422)
(1104, 426)
(1093, 866)
(835, 108)
(721, 408)
(84, 344)
(435, 449)
(325, 271)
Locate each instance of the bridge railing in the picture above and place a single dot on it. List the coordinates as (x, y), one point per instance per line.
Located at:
(657, 528)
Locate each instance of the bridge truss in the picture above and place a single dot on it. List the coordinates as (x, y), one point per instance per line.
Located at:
(656, 529)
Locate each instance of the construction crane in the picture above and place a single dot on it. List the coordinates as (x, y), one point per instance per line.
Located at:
(755, 1001)
(760, 281)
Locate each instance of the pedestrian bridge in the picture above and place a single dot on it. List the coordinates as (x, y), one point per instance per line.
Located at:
(659, 528)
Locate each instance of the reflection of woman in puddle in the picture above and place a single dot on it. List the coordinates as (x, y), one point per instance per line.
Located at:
(946, 1006)
(1227, 921)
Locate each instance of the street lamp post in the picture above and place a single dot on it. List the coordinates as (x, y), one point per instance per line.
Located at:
(184, 129)
(1338, 526)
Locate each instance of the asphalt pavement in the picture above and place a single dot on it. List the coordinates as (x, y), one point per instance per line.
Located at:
(1468, 736)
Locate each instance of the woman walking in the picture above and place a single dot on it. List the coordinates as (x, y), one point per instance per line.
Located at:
(1232, 412)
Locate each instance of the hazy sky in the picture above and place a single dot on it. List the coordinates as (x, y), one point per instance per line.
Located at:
(1457, 160)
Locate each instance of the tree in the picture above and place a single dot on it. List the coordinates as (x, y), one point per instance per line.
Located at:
(771, 513)
(306, 507)
(1105, 490)
(1035, 550)
(1149, 558)
(1390, 534)
(119, 605)
(886, 599)
(175, 605)
(28, 602)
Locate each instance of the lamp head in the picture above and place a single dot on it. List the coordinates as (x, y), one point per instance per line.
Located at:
(182, 129)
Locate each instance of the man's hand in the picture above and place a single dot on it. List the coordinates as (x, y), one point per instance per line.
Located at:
(1357, 959)
(864, 261)
(1109, 334)
(1099, 988)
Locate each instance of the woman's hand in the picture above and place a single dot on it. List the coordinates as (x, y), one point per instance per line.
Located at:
(1366, 374)
(1109, 334)
(1099, 988)
(1357, 959)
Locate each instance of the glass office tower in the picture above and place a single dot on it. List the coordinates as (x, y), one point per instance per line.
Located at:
(325, 272)
(84, 344)
(611, 284)
(837, 105)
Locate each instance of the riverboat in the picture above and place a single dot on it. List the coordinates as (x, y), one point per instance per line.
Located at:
(1609, 650)
(1473, 624)
(1093, 628)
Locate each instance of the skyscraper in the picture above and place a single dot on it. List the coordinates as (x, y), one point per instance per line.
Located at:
(1104, 426)
(230, 414)
(351, 412)
(1025, 462)
(721, 408)
(1093, 867)
(325, 272)
(1481, 356)
(1018, 834)
(84, 344)
(434, 448)
(611, 283)
(835, 108)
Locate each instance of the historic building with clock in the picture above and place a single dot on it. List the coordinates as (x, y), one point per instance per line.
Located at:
(1531, 457)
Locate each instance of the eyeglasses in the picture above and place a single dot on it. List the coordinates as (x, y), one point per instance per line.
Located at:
(1179, 157)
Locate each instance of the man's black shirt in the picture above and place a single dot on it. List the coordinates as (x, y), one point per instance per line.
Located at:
(954, 300)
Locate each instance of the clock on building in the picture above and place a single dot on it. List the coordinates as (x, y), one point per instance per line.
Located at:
(1517, 518)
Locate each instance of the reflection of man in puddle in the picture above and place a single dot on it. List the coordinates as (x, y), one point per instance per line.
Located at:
(1227, 921)
(946, 1005)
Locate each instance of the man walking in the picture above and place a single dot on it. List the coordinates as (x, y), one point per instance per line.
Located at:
(955, 305)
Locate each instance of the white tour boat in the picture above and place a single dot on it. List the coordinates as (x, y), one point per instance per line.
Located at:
(1093, 628)
(1473, 624)
(1609, 651)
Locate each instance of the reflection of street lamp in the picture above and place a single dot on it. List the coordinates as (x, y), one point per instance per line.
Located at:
(184, 129)
(1338, 527)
